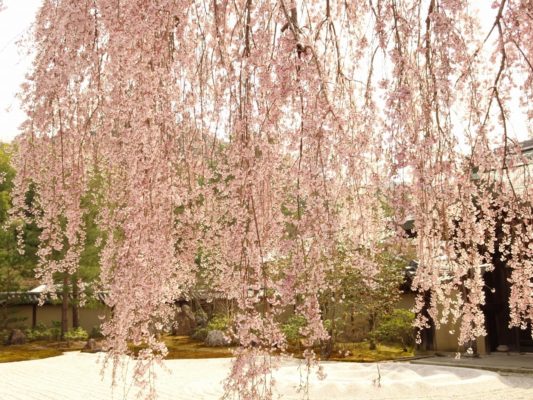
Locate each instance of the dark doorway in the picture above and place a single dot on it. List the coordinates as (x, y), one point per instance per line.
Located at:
(496, 309)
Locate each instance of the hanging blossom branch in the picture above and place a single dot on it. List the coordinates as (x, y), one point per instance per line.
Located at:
(259, 137)
(458, 218)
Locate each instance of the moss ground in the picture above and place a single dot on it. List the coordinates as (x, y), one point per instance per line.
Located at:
(360, 352)
(183, 347)
(36, 350)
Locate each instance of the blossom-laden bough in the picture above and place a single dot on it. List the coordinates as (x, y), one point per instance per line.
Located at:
(263, 135)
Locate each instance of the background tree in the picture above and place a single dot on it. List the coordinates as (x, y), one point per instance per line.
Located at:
(354, 294)
(16, 269)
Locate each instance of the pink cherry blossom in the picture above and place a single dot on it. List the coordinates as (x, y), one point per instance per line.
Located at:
(263, 134)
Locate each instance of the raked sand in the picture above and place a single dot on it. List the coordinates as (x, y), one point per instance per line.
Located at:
(76, 376)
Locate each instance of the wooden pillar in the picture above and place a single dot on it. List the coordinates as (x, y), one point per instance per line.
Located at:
(34, 316)
(64, 307)
(75, 300)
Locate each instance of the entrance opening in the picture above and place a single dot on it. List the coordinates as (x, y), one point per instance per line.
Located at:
(497, 312)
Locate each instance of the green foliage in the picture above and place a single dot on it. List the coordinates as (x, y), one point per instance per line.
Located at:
(328, 324)
(16, 270)
(43, 332)
(201, 317)
(96, 332)
(53, 333)
(396, 328)
(56, 330)
(4, 335)
(76, 334)
(219, 323)
(89, 267)
(200, 334)
(357, 301)
(33, 335)
(292, 327)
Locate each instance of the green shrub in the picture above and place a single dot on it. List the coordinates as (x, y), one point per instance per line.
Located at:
(55, 330)
(96, 332)
(328, 324)
(219, 323)
(200, 334)
(396, 327)
(200, 317)
(41, 332)
(291, 328)
(76, 334)
(4, 334)
(33, 335)
(41, 327)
